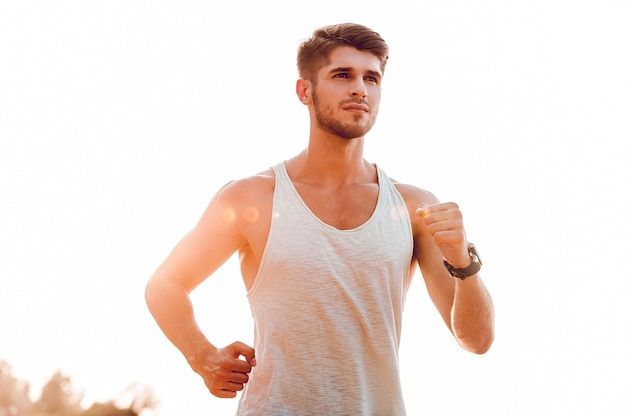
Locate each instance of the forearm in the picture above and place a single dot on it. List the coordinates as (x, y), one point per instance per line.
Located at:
(472, 317)
(171, 307)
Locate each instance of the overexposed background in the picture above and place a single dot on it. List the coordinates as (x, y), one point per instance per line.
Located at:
(120, 119)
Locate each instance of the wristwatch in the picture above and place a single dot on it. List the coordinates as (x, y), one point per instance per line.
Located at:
(470, 270)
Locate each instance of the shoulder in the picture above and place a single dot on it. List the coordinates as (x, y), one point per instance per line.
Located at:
(245, 199)
(414, 196)
(255, 186)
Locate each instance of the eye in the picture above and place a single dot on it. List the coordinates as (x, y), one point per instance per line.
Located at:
(371, 78)
(342, 75)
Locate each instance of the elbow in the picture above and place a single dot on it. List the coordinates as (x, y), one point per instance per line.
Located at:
(476, 339)
(149, 295)
(475, 332)
(156, 291)
(162, 291)
(477, 346)
(151, 287)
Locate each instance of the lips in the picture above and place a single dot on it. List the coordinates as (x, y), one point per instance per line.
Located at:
(357, 107)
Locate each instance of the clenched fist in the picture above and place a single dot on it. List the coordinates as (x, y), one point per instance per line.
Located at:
(444, 223)
(224, 371)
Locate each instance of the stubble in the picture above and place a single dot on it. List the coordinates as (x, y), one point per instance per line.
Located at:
(327, 120)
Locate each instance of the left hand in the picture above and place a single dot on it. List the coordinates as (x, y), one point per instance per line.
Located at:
(444, 223)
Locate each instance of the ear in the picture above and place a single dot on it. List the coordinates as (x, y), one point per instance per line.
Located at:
(303, 89)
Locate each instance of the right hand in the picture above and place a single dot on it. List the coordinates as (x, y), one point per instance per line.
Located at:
(224, 372)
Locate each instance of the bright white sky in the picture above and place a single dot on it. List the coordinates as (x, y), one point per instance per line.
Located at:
(119, 120)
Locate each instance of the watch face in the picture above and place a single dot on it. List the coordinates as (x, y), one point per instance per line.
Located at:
(474, 253)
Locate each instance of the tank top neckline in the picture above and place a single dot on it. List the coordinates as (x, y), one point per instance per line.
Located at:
(381, 188)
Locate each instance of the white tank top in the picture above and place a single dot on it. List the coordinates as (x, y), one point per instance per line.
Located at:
(327, 307)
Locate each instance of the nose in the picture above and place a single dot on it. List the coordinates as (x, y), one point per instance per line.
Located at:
(358, 89)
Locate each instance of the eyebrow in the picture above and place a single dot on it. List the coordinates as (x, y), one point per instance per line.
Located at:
(341, 69)
(350, 69)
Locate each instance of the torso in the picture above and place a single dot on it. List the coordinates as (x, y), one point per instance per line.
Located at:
(344, 208)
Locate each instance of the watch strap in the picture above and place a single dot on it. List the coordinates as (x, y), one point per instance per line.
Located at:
(470, 270)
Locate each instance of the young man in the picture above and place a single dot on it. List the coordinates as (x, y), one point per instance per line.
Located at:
(328, 245)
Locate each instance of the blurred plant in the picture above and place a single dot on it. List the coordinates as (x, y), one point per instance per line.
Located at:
(58, 398)
(14, 394)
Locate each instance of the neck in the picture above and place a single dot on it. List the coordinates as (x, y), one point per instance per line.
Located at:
(332, 161)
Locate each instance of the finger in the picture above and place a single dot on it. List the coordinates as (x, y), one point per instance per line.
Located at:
(427, 210)
(454, 218)
(225, 394)
(231, 361)
(235, 386)
(236, 365)
(237, 377)
(443, 206)
(449, 237)
(228, 386)
(443, 223)
(422, 210)
(240, 349)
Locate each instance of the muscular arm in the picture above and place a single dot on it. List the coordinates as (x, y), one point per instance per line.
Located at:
(205, 248)
(472, 315)
(465, 305)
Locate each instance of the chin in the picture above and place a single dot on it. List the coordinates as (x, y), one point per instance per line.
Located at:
(349, 132)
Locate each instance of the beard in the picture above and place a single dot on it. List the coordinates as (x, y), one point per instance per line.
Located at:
(345, 130)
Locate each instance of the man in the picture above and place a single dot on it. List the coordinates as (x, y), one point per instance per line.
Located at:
(328, 245)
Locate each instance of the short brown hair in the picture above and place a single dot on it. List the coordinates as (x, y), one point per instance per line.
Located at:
(314, 52)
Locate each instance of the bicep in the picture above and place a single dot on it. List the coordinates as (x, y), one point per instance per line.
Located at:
(439, 284)
(213, 240)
